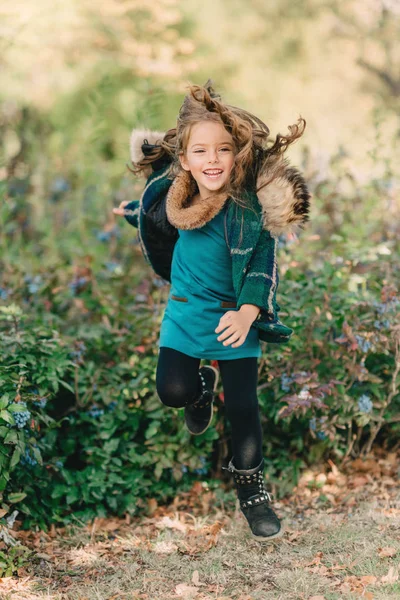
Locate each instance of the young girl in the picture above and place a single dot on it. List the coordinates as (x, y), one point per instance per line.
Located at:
(216, 200)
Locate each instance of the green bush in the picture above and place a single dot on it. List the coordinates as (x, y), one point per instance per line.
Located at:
(83, 431)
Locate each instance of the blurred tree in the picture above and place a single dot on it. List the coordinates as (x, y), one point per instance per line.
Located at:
(374, 27)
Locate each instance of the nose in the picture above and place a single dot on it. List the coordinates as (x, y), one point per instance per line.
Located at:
(213, 157)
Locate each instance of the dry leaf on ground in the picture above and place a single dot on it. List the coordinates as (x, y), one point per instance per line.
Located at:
(186, 591)
(387, 552)
(391, 577)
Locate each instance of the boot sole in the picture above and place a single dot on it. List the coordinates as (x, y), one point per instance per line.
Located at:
(212, 404)
(269, 537)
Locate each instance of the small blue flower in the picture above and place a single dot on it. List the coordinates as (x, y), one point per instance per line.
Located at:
(106, 236)
(112, 406)
(365, 404)
(41, 403)
(4, 293)
(363, 344)
(78, 284)
(184, 469)
(313, 424)
(79, 351)
(95, 411)
(28, 459)
(22, 418)
(59, 464)
(286, 380)
(203, 471)
(33, 283)
(60, 185)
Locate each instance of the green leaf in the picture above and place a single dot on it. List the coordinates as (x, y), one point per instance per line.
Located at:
(37, 455)
(16, 497)
(15, 458)
(11, 437)
(7, 417)
(4, 401)
(16, 407)
(66, 385)
(3, 431)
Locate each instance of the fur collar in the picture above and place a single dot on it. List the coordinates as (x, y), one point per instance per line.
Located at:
(181, 213)
(281, 191)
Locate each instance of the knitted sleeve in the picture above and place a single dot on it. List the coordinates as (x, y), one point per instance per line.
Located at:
(262, 278)
(132, 212)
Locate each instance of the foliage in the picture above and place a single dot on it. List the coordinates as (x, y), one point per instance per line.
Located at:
(83, 431)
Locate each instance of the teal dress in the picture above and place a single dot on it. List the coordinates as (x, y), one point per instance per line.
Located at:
(201, 293)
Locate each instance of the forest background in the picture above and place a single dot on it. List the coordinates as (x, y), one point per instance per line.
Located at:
(83, 432)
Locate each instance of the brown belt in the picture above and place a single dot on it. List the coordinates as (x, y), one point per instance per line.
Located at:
(224, 304)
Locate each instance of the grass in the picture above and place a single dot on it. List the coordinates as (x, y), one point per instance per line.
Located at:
(330, 553)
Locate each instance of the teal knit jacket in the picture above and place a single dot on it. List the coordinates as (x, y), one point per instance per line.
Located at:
(252, 237)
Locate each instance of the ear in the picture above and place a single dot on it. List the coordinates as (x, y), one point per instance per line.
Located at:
(184, 162)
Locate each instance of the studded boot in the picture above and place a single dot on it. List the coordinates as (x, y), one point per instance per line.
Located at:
(198, 416)
(255, 502)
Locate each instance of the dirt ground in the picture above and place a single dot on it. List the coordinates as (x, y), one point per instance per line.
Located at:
(341, 541)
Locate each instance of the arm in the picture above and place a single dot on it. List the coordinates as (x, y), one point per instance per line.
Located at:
(262, 279)
(129, 210)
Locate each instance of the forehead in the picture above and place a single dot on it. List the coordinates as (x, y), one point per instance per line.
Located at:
(209, 132)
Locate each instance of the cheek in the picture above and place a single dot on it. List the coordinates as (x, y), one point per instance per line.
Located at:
(230, 162)
(195, 163)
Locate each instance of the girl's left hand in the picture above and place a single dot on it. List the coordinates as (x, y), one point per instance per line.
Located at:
(236, 326)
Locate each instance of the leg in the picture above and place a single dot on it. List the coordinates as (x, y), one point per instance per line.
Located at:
(177, 380)
(239, 380)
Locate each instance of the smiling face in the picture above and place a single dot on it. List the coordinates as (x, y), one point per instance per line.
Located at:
(209, 156)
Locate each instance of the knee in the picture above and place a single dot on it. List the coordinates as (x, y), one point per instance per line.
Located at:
(173, 395)
(241, 412)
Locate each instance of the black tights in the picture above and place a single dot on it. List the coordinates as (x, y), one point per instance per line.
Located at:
(178, 384)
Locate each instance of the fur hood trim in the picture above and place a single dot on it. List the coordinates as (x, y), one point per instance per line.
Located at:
(281, 191)
(184, 215)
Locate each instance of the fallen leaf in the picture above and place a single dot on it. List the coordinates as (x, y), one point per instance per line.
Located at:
(186, 591)
(195, 578)
(316, 560)
(359, 481)
(391, 577)
(167, 522)
(152, 505)
(387, 552)
(368, 579)
(165, 547)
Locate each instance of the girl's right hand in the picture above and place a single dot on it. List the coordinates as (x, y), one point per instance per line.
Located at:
(120, 210)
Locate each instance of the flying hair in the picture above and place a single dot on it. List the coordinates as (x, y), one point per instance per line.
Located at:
(255, 152)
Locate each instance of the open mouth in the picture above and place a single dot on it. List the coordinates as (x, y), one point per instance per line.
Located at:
(213, 174)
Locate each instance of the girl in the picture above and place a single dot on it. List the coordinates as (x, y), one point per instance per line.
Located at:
(216, 200)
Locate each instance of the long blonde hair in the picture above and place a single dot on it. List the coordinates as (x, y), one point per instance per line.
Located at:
(254, 153)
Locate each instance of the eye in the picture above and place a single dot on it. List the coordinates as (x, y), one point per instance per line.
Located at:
(197, 151)
(228, 149)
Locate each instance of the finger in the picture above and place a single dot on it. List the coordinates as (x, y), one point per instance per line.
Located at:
(226, 333)
(119, 211)
(240, 341)
(222, 326)
(234, 338)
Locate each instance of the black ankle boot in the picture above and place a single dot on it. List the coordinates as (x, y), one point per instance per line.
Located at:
(198, 416)
(255, 502)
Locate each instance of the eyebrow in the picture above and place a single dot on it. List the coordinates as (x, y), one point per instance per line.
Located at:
(219, 144)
